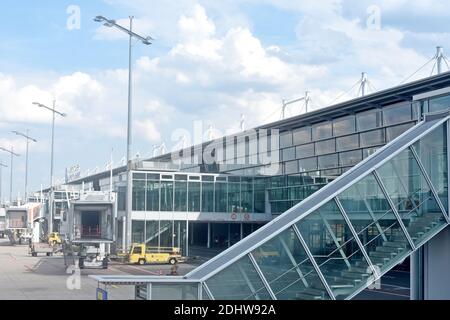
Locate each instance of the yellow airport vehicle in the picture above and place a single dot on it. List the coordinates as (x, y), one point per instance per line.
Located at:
(142, 254)
(54, 238)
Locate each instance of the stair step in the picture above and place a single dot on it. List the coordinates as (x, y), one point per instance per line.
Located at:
(380, 254)
(305, 296)
(389, 249)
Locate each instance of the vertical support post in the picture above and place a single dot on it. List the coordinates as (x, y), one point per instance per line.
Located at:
(11, 178)
(208, 242)
(416, 275)
(439, 58)
(242, 231)
(26, 168)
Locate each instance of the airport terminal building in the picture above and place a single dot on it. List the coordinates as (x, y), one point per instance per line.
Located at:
(179, 199)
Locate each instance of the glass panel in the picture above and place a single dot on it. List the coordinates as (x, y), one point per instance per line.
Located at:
(194, 196)
(239, 281)
(350, 158)
(166, 238)
(260, 195)
(174, 291)
(180, 195)
(137, 231)
(139, 195)
(322, 131)
(288, 270)
(308, 164)
(324, 147)
(221, 197)
(208, 197)
(247, 195)
(440, 103)
(152, 233)
(285, 139)
(330, 161)
(397, 113)
(166, 195)
(372, 138)
(376, 224)
(432, 151)
(411, 196)
(335, 250)
(288, 154)
(302, 135)
(347, 143)
(153, 195)
(368, 120)
(394, 132)
(344, 126)
(234, 196)
(291, 167)
(304, 151)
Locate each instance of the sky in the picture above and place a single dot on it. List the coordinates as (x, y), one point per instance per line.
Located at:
(210, 63)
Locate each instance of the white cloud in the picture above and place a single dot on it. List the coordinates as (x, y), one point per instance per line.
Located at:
(148, 129)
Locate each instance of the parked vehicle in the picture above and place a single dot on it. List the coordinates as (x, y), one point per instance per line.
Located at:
(142, 254)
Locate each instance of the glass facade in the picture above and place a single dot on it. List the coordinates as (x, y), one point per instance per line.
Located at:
(341, 247)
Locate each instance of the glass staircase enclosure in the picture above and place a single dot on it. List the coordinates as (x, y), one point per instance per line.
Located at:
(345, 236)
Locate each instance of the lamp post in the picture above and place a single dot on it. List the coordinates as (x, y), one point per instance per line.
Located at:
(54, 113)
(26, 136)
(12, 153)
(1, 179)
(145, 40)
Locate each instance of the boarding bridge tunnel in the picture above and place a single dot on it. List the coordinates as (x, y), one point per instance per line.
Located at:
(341, 239)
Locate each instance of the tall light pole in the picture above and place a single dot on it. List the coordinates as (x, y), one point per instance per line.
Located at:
(145, 40)
(12, 153)
(26, 136)
(50, 200)
(1, 179)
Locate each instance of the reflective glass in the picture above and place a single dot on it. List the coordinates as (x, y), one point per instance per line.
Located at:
(285, 139)
(165, 291)
(321, 131)
(139, 195)
(368, 120)
(347, 143)
(394, 132)
(432, 151)
(180, 195)
(350, 158)
(166, 195)
(397, 113)
(308, 164)
(288, 154)
(411, 196)
(221, 197)
(344, 126)
(288, 270)
(302, 135)
(152, 233)
(372, 138)
(440, 103)
(234, 196)
(329, 161)
(304, 151)
(375, 222)
(324, 147)
(239, 281)
(153, 195)
(335, 250)
(207, 196)
(194, 197)
(247, 195)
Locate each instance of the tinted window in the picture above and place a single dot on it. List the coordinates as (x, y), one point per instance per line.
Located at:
(438, 104)
(327, 146)
(344, 126)
(372, 138)
(394, 132)
(330, 161)
(285, 139)
(347, 143)
(305, 151)
(321, 131)
(368, 120)
(396, 114)
(288, 154)
(350, 158)
(291, 167)
(302, 135)
(309, 164)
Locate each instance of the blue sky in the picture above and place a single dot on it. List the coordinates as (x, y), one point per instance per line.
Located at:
(211, 62)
